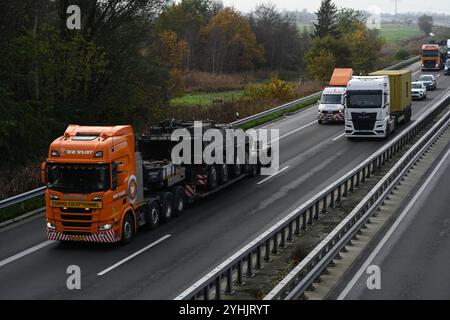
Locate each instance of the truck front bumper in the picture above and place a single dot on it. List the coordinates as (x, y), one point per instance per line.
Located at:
(330, 117)
(379, 131)
(108, 236)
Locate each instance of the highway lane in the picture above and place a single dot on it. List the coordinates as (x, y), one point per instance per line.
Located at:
(203, 237)
(414, 255)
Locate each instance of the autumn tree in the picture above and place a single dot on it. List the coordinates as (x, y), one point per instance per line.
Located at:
(174, 52)
(284, 45)
(326, 19)
(426, 24)
(231, 43)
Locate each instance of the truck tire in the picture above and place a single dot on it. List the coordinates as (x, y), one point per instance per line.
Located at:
(153, 216)
(212, 177)
(179, 201)
(128, 231)
(167, 207)
(223, 173)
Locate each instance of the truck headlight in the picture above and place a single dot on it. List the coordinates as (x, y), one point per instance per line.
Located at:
(105, 227)
(51, 226)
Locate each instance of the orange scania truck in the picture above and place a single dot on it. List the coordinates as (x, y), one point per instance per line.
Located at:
(105, 182)
(431, 57)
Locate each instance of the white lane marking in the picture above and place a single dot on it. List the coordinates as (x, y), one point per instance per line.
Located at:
(270, 177)
(26, 252)
(366, 264)
(438, 76)
(101, 273)
(416, 72)
(339, 136)
(295, 130)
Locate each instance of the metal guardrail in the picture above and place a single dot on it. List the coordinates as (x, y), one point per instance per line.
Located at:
(274, 110)
(22, 197)
(310, 268)
(404, 63)
(269, 242)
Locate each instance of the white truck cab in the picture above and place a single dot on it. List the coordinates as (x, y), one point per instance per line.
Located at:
(367, 111)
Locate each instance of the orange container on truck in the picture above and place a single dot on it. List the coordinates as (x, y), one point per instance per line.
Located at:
(104, 182)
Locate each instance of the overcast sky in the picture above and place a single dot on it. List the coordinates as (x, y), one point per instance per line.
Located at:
(387, 6)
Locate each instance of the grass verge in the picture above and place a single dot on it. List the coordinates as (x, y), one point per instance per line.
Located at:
(21, 208)
(279, 114)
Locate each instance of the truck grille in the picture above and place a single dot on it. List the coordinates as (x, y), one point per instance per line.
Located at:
(76, 217)
(429, 64)
(364, 121)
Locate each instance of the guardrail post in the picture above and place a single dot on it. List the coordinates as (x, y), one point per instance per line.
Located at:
(346, 188)
(283, 237)
(324, 208)
(297, 224)
(275, 244)
(290, 232)
(352, 183)
(229, 289)
(258, 257)
(267, 253)
(250, 273)
(339, 195)
(317, 209)
(239, 273)
(332, 204)
(205, 293)
(218, 289)
(358, 177)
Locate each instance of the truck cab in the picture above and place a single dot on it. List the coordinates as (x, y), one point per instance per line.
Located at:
(368, 107)
(431, 57)
(92, 188)
(331, 104)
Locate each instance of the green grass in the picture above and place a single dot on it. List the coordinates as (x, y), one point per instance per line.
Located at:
(21, 208)
(396, 32)
(279, 114)
(204, 99)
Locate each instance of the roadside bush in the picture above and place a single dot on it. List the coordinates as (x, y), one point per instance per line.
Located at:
(276, 89)
(402, 54)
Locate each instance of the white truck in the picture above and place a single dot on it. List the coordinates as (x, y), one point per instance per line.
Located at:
(377, 104)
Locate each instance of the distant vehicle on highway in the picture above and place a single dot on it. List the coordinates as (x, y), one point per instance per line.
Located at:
(429, 81)
(376, 105)
(331, 104)
(432, 57)
(447, 67)
(418, 90)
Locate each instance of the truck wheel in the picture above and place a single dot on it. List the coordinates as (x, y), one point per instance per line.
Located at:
(179, 201)
(223, 174)
(153, 216)
(127, 229)
(167, 207)
(212, 177)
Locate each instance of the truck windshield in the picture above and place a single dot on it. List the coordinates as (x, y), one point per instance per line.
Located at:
(430, 53)
(331, 99)
(364, 99)
(78, 178)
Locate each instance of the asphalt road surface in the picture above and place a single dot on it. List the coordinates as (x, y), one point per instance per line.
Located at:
(161, 264)
(414, 255)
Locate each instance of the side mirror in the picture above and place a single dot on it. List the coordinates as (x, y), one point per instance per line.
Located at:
(318, 101)
(44, 172)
